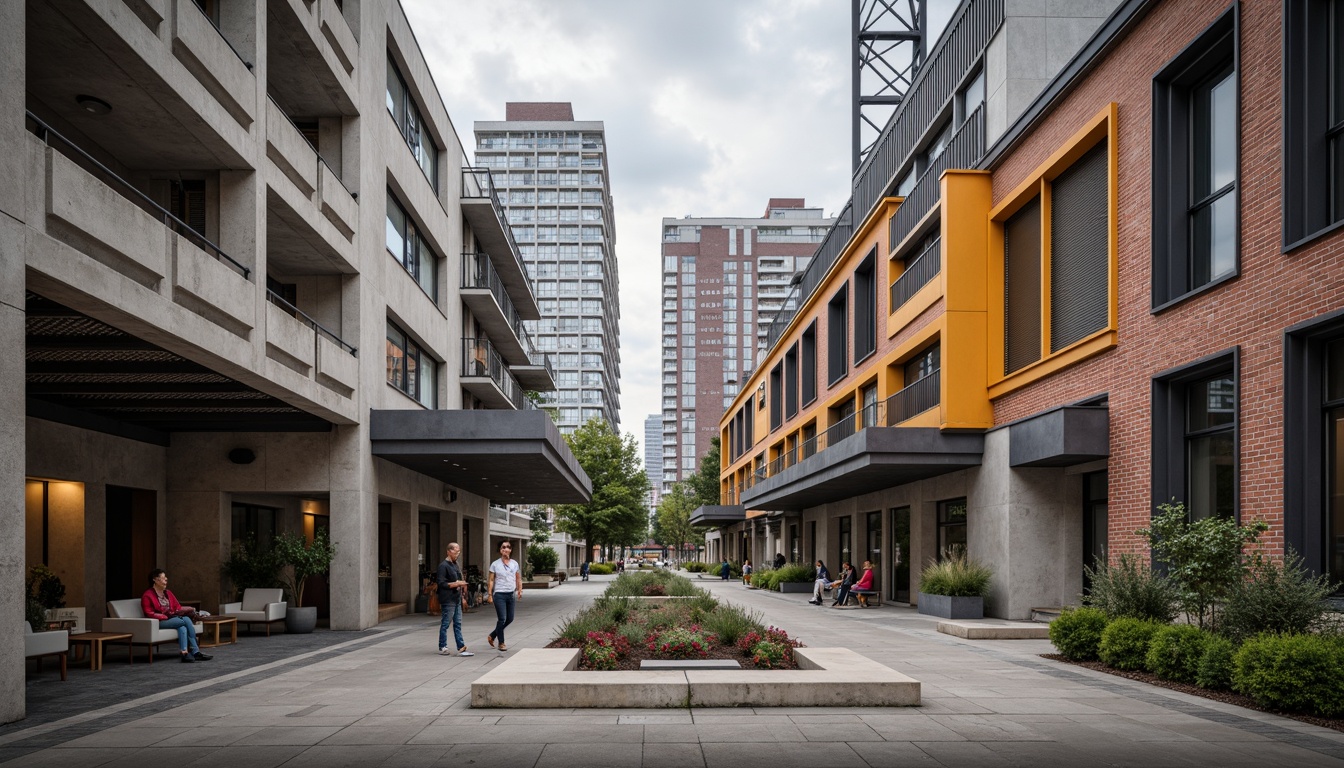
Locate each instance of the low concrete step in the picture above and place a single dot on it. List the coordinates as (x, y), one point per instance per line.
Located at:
(390, 611)
(689, 664)
(995, 629)
(1046, 615)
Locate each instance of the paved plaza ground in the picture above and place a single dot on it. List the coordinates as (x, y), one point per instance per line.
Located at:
(384, 697)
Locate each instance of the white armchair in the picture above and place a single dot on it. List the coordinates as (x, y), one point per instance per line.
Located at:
(127, 616)
(37, 645)
(259, 606)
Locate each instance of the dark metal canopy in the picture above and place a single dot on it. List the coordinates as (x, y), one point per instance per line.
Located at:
(84, 372)
(870, 460)
(1060, 437)
(512, 457)
(719, 515)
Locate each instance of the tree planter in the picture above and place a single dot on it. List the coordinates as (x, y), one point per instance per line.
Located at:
(300, 621)
(947, 607)
(795, 587)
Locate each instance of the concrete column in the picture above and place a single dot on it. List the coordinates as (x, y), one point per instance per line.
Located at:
(405, 566)
(354, 530)
(13, 457)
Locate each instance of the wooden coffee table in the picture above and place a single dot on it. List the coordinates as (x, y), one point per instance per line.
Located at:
(217, 624)
(95, 641)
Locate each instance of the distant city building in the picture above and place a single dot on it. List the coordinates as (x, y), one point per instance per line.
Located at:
(724, 280)
(653, 458)
(551, 173)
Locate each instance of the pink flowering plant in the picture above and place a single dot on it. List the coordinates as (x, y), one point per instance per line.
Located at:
(749, 641)
(602, 650)
(768, 654)
(681, 643)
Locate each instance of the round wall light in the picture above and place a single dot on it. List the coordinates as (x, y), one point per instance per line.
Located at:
(93, 105)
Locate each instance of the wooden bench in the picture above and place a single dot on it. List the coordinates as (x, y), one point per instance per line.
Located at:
(862, 596)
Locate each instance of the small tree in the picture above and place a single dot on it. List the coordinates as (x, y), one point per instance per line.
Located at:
(541, 526)
(1203, 557)
(303, 560)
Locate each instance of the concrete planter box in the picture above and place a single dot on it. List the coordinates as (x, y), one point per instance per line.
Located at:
(300, 621)
(795, 587)
(946, 607)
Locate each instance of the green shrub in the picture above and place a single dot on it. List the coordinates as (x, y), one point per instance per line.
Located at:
(1076, 634)
(599, 569)
(679, 643)
(956, 576)
(730, 623)
(1278, 597)
(1215, 666)
(795, 573)
(576, 628)
(696, 567)
(1131, 588)
(1292, 672)
(542, 558)
(1175, 651)
(1124, 643)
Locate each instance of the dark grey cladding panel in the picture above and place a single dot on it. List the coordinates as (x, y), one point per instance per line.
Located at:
(871, 460)
(718, 514)
(1060, 437)
(509, 456)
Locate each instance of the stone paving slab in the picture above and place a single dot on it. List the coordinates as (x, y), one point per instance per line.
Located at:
(385, 697)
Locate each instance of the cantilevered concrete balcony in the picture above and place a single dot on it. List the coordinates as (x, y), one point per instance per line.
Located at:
(483, 292)
(512, 457)
(485, 375)
(312, 53)
(485, 214)
(869, 460)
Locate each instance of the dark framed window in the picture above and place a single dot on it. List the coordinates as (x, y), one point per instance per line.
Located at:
(406, 114)
(808, 364)
(809, 437)
(868, 396)
(873, 552)
(1022, 287)
(791, 382)
(1195, 446)
(409, 368)
(776, 396)
(900, 553)
(253, 526)
(837, 335)
(1195, 166)
(922, 364)
(865, 307)
(749, 424)
(951, 526)
(410, 250)
(1313, 484)
(1313, 135)
(846, 539)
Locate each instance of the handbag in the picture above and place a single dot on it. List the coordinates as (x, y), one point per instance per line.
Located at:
(434, 606)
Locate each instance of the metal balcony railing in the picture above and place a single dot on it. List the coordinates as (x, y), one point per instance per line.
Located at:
(917, 274)
(477, 183)
(481, 359)
(127, 190)
(303, 317)
(915, 399)
(478, 272)
(964, 150)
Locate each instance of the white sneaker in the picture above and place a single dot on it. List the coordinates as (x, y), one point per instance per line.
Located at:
(445, 652)
(465, 652)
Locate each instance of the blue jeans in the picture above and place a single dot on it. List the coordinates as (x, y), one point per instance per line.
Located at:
(503, 614)
(452, 614)
(186, 633)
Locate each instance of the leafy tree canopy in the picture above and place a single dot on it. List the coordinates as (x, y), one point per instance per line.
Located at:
(616, 516)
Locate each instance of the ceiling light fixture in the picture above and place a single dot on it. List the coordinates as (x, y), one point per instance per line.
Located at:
(92, 105)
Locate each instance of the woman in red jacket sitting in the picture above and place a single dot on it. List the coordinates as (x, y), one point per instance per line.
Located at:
(159, 603)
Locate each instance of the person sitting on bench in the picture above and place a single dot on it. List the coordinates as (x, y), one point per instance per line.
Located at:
(844, 584)
(863, 585)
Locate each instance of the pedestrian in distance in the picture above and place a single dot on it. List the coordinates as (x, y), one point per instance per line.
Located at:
(583, 570)
(779, 560)
(844, 584)
(504, 591)
(452, 598)
(746, 572)
(725, 569)
(823, 582)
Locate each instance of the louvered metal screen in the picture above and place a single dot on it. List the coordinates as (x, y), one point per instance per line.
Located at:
(1022, 287)
(1079, 263)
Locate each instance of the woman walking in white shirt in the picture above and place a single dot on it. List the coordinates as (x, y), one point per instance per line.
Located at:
(505, 588)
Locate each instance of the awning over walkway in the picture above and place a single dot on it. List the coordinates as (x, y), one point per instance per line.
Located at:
(512, 457)
(720, 515)
(870, 460)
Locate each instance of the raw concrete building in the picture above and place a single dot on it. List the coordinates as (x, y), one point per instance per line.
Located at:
(724, 281)
(250, 288)
(554, 181)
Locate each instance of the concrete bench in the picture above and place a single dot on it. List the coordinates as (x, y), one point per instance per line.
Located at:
(862, 596)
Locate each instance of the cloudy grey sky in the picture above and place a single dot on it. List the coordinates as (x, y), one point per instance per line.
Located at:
(711, 107)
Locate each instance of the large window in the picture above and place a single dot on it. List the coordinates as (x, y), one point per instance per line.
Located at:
(865, 308)
(410, 249)
(808, 369)
(1313, 485)
(401, 105)
(951, 527)
(1195, 166)
(409, 368)
(1022, 287)
(837, 335)
(846, 539)
(1313, 150)
(1195, 437)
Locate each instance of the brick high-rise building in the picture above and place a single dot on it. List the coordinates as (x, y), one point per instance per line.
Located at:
(551, 171)
(724, 280)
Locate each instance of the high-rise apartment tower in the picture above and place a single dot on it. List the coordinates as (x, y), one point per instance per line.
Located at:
(551, 171)
(724, 280)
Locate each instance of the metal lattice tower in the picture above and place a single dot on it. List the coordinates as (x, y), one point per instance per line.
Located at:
(889, 47)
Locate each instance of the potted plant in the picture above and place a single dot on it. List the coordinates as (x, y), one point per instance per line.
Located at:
(797, 578)
(44, 593)
(954, 587)
(301, 561)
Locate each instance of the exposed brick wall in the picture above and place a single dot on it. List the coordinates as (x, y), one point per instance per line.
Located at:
(1273, 291)
(539, 111)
